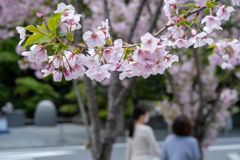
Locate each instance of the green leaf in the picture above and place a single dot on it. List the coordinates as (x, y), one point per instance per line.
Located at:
(52, 23)
(215, 3)
(62, 34)
(70, 37)
(43, 27)
(190, 5)
(188, 23)
(212, 46)
(206, 11)
(183, 11)
(180, 23)
(33, 39)
(33, 29)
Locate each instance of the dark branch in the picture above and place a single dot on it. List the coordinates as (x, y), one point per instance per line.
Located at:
(155, 18)
(136, 18)
(200, 85)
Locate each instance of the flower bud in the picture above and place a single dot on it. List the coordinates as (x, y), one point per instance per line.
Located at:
(40, 15)
(193, 31)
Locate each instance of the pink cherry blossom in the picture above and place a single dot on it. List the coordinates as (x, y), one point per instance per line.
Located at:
(224, 13)
(94, 38)
(178, 32)
(79, 69)
(167, 40)
(41, 53)
(182, 43)
(211, 22)
(200, 40)
(209, 30)
(45, 72)
(136, 66)
(105, 27)
(107, 54)
(149, 42)
(57, 76)
(170, 59)
(160, 68)
(22, 64)
(61, 7)
(236, 2)
(90, 62)
(38, 74)
(73, 22)
(22, 33)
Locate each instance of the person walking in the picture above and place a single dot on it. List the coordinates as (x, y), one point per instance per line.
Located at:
(140, 137)
(180, 145)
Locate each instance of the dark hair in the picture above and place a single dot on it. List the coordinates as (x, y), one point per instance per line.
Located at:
(182, 126)
(137, 112)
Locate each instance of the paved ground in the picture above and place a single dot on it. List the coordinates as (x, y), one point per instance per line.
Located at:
(59, 135)
(224, 147)
(64, 141)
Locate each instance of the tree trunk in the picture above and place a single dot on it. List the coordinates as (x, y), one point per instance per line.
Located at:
(199, 133)
(120, 120)
(95, 121)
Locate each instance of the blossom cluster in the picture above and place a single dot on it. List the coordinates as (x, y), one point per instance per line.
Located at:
(226, 54)
(21, 12)
(68, 17)
(149, 57)
(187, 101)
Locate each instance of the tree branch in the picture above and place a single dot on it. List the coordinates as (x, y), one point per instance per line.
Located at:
(95, 139)
(93, 112)
(214, 106)
(200, 85)
(157, 13)
(136, 18)
(172, 24)
(81, 108)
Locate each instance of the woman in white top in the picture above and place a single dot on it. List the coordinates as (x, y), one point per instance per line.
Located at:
(140, 138)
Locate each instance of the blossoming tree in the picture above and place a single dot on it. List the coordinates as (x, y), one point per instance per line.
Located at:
(98, 54)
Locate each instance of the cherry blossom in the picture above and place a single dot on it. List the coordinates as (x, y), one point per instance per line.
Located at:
(37, 53)
(182, 43)
(57, 76)
(149, 42)
(22, 33)
(73, 22)
(211, 22)
(236, 2)
(200, 40)
(61, 7)
(224, 13)
(94, 38)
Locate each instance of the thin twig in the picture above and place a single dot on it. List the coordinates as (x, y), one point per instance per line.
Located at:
(172, 24)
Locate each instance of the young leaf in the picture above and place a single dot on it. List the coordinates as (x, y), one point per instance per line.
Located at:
(33, 39)
(52, 23)
(62, 34)
(70, 37)
(206, 11)
(215, 3)
(211, 46)
(43, 27)
(187, 22)
(33, 29)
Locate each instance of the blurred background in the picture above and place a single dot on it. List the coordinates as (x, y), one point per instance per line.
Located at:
(41, 120)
